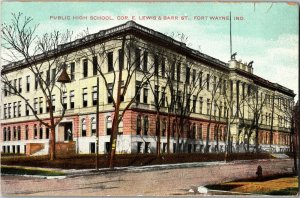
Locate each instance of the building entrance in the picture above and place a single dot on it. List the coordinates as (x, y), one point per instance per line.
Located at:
(65, 132)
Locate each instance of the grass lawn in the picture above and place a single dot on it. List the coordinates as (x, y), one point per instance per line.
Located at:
(29, 171)
(278, 186)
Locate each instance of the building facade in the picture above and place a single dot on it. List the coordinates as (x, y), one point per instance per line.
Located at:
(199, 99)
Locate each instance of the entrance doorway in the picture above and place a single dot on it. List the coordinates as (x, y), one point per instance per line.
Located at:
(65, 132)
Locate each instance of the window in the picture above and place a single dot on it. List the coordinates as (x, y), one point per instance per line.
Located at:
(47, 133)
(145, 98)
(41, 105)
(53, 76)
(48, 77)
(110, 64)
(26, 109)
(194, 104)
(207, 81)
(139, 147)
(110, 93)
(15, 86)
(173, 129)
(36, 81)
(20, 85)
(200, 79)
(146, 125)
(188, 71)
(163, 67)
(178, 71)
(173, 70)
(8, 134)
(156, 65)
(64, 100)
(19, 109)
(4, 134)
(84, 97)
(53, 103)
(35, 131)
(200, 132)
(9, 110)
(108, 125)
(72, 68)
(5, 90)
(15, 133)
(201, 105)
(121, 59)
(94, 96)
(215, 83)
(26, 132)
(137, 92)
(27, 83)
(163, 127)
(145, 65)
(215, 108)
(163, 97)
(138, 58)
(156, 94)
(194, 131)
(147, 147)
(85, 68)
(5, 111)
(95, 65)
(35, 104)
(120, 128)
(194, 76)
(93, 121)
(208, 107)
(15, 109)
(41, 132)
(83, 128)
(72, 99)
(138, 125)
(188, 102)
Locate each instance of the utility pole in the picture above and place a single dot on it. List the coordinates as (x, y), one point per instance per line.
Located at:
(97, 126)
(230, 35)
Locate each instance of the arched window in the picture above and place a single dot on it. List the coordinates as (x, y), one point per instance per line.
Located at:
(35, 131)
(163, 127)
(94, 124)
(83, 128)
(15, 133)
(220, 133)
(8, 134)
(225, 134)
(108, 125)
(215, 132)
(4, 134)
(146, 125)
(26, 132)
(193, 131)
(200, 132)
(19, 133)
(187, 130)
(138, 124)
(173, 128)
(41, 132)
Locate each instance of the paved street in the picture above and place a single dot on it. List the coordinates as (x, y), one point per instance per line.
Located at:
(175, 181)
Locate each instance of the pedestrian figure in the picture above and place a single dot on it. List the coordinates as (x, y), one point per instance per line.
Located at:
(259, 172)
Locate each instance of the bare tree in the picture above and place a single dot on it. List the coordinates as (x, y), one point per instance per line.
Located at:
(117, 75)
(41, 55)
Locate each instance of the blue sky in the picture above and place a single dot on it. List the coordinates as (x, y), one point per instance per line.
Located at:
(268, 35)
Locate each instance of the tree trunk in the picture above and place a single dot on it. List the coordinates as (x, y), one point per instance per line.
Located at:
(158, 135)
(207, 138)
(168, 133)
(52, 144)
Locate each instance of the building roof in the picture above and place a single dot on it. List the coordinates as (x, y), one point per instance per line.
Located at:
(154, 36)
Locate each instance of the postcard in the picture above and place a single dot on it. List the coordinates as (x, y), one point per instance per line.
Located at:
(149, 98)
